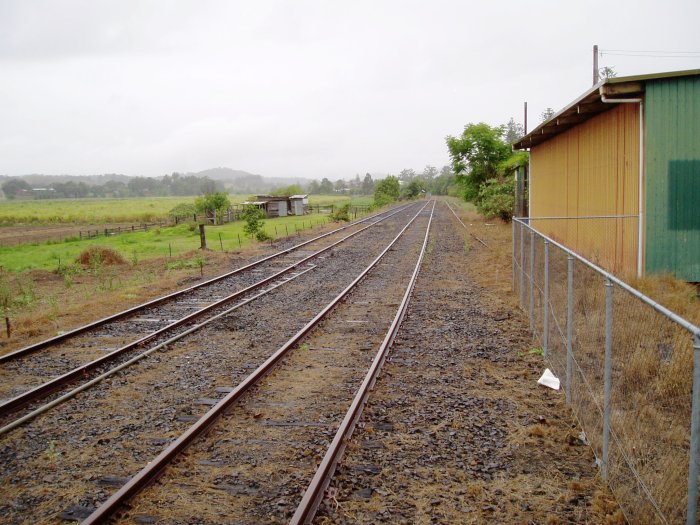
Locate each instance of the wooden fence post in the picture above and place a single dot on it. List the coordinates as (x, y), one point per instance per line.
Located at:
(202, 237)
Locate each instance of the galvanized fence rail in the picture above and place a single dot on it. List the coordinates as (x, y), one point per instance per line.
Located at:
(630, 369)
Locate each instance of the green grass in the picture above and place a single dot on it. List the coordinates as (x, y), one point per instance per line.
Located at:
(131, 210)
(458, 204)
(157, 242)
(86, 211)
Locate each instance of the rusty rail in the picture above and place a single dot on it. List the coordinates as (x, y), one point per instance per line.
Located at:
(82, 329)
(155, 467)
(314, 493)
(83, 371)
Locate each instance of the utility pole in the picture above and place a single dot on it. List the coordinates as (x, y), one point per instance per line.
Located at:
(595, 65)
(525, 119)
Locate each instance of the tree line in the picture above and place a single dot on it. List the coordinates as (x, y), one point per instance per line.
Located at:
(168, 185)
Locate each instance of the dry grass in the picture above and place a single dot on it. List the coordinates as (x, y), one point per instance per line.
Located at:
(652, 379)
(100, 255)
(676, 295)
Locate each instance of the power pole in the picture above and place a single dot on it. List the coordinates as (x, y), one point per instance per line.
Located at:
(525, 118)
(595, 65)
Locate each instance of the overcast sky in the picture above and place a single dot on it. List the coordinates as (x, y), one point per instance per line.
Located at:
(299, 88)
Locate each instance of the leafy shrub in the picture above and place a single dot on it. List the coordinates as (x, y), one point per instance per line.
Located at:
(387, 191)
(497, 198)
(183, 210)
(341, 214)
(253, 217)
(262, 236)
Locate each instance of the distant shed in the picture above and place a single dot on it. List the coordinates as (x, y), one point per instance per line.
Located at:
(281, 206)
(630, 148)
(299, 204)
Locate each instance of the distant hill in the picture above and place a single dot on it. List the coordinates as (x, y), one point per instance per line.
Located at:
(239, 181)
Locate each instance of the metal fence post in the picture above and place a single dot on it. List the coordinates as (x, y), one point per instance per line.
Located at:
(522, 263)
(532, 280)
(545, 308)
(694, 464)
(513, 259)
(569, 325)
(607, 375)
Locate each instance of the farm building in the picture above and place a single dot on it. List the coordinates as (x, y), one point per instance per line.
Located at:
(615, 175)
(281, 206)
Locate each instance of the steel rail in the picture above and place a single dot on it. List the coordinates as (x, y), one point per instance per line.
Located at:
(157, 465)
(81, 372)
(313, 496)
(464, 225)
(125, 313)
(69, 395)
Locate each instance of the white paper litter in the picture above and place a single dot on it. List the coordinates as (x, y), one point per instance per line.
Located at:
(548, 379)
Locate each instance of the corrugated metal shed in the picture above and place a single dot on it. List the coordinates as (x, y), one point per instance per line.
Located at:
(584, 159)
(591, 170)
(672, 114)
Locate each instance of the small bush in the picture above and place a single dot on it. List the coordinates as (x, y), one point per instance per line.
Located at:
(262, 236)
(341, 214)
(497, 198)
(253, 217)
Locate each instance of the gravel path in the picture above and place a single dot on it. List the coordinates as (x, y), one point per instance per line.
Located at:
(457, 430)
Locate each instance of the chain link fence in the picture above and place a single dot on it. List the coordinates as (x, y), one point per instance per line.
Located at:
(628, 367)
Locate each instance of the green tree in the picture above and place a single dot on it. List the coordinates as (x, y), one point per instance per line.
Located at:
(440, 185)
(326, 187)
(14, 187)
(514, 131)
(214, 202)
(367, 185)
(407, 175)
(253, 217)
(547, 114)
(314, 187)
(387, 191)
(607, 72)
(429, 173)
(183, 210)
(476, 156)
(413, 189)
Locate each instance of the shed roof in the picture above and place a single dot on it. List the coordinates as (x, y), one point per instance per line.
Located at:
(591, 103)
(298, 196)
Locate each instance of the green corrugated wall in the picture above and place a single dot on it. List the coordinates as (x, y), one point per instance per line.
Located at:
(672, 122)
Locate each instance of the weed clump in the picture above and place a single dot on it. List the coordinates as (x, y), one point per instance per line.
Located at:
(99, 256)
(341, 214)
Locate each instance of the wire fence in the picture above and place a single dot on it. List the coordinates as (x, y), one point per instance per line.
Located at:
(609, 241)
(67, 233)
(630, 371)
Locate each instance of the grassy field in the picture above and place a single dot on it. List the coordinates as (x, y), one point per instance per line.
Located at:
(134, 210)
(157, 242)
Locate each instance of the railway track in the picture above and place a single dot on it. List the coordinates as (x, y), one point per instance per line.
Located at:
(78, 455)
(287, 416)
(48, 368)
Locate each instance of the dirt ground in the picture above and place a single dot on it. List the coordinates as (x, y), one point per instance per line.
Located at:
(51, 303)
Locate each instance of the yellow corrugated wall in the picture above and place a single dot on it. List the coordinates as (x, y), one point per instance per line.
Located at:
(591, 169)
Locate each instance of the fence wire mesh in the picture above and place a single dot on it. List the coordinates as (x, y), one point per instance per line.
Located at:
(644, 451)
